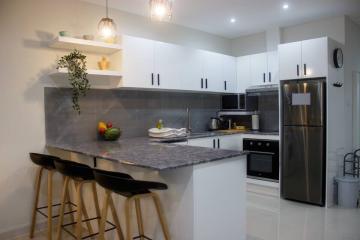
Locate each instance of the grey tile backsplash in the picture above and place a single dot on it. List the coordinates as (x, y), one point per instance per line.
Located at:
(268, 106)
(133, 111)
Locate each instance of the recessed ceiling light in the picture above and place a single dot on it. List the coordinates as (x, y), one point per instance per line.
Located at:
(285, 6)
(233, 20)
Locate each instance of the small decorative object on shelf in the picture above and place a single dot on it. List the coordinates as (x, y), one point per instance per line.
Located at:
(108, 132)
(338, 84)
(88, 37)
(104, 64)
(64, 34)
(75, 62)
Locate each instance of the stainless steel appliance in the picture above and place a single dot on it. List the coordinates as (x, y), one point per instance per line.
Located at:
(259, 90)
(214, 124)
(238, 102)
(263, 159)
(303, 140)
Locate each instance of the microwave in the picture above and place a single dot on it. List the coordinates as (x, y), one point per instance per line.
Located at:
(234, 102)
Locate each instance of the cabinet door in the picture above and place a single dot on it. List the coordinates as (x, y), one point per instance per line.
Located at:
(202, 142)
(138, 62)
(273, 67)
(169, 65)
(231, 142)
(213, 63)
(243, 73)
(193, 70)
(290, 61)
(314, 58)
(229, 74)
(258, 68)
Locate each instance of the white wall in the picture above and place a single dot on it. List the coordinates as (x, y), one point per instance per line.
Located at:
(351, 64)
(251, 44)
(26, 27)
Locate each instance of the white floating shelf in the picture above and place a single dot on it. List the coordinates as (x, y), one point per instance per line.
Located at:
(91, 72)
(85, 45)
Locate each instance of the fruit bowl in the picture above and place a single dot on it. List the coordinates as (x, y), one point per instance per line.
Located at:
(108, 132)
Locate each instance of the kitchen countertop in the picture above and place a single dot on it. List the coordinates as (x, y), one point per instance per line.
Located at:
(143, 152)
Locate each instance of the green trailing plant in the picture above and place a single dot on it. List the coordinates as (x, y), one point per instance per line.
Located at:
(75, 62)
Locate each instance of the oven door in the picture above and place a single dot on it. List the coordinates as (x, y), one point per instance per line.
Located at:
(263, 166)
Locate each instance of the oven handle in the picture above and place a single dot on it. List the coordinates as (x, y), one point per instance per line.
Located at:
(267, 153)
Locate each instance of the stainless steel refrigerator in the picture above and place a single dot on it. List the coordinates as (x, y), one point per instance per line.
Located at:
(303, 140)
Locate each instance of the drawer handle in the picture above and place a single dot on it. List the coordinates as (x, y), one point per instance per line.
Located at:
(298, 69)
(158, 78)
(206, 85)
(152, 78)
(264, 75)
(202, 83)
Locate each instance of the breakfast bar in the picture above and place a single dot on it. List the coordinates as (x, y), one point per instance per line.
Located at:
(206, 195)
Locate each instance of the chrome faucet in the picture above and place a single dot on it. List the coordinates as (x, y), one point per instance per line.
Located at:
(188, 126)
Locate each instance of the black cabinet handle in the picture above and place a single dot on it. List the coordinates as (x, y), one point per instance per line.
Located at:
(218, 143)
(264, 75)
(298, 69)
(305, 69)
(202, 83)
(269, 76)
(152, 78)
(206, 83)
(225, 85)
(158, 78)
(214, 146)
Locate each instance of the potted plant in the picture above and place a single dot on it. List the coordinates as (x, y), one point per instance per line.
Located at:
(75, 63)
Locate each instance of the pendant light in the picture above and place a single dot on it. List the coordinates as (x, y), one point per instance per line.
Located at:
(160, 10)
(107, 26)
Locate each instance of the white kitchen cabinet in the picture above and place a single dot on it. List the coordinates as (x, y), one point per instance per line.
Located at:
(305, 59)
(272, 68)
(213, 73)
(228, 142)
(192, 70)
(243, 73)
(138, 63)
(207, 142)
(258, 68)
(314, 58)
(290, 60)
(229, 74)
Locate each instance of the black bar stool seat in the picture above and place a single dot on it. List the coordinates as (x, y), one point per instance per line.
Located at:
(134, 190)
(74, 169)
(42, 160)
(124, 184)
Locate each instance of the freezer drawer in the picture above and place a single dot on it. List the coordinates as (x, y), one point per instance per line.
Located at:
(303, 102)
(303, 165)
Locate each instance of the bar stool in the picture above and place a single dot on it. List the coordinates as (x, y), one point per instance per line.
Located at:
(124, 185)
(80, 174)
(45, 162)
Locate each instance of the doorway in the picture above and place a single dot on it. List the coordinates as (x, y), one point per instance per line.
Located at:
(356, 110)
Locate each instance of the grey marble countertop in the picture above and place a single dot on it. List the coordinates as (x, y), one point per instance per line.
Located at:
(142, 152)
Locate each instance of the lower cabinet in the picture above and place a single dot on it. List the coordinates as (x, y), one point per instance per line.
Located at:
(229, 142)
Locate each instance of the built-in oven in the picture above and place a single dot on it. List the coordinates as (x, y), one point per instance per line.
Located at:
(262, 159)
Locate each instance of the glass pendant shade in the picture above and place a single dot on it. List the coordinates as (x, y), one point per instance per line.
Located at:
(160, 10)
(107, 28)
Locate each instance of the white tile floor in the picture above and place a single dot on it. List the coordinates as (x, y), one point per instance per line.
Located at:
(269, 218)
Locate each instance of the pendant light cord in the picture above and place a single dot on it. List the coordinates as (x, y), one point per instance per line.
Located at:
(107, 9)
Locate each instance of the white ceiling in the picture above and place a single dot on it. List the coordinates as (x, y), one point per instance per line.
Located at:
(252, 15)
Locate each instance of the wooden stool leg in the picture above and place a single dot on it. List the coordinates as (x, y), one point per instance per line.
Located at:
(139, 218)
(62, 207)
(104, 216)
(96, 201)
(161, 216)
(36, 201)
(116, 219)
(86, 216)
(128, 218)
(68, 200)
(49, 203)
(78, 230)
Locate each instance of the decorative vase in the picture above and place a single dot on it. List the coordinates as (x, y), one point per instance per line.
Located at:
(104, 64)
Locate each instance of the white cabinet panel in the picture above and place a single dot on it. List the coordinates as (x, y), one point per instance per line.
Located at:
(229, 74)
(192, 70)
(314, 58)
(213, 63)
(273, 67)
(201, 142)
(138, 62)
(231, 142)
(169, 65)
(258, 68)
(243, 73)
(290, 61)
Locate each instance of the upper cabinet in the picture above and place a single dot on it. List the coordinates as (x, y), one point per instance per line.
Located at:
(305, 59)
(258, 69)
(152, 64)
(273, 67)
(243, 73)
